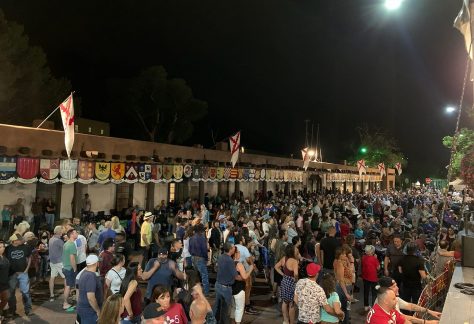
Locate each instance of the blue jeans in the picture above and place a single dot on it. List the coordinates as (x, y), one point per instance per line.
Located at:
(200, 264)
(23, 281)
(221, 308)
(88, 317)
(343, 300)
(50, 220)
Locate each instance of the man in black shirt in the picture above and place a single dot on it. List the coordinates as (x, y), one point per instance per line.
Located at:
(326, 250)
(226, 273)
(19, 256)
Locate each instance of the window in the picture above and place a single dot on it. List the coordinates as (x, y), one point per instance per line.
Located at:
(172, 191)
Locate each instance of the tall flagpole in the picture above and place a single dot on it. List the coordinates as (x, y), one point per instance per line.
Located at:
(51, 114)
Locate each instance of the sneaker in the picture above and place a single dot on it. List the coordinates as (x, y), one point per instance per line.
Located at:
(354, 300)
(27, 312)
(51, 298)
(249, 310)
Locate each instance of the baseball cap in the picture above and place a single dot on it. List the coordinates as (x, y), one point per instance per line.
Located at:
(163, 251)
(312, 269)
(92, 259)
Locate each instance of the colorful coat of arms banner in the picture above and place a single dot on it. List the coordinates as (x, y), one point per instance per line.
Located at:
(49, 170)
(102, 172)
(7, 169)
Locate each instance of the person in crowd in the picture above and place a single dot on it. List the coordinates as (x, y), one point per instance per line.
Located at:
(247, 259)
(146, 237)
(344, 277)
(277, 252)
(56, 244)
(287, 267)
(106, 234)
(90, 296)
(81, 246)
(393, 257)
(92, 235)
(122, 246)
(132, 294)
(389, 283)
(291, 231)
(176, 253)
(106, 256)
(238, 288)
(43, 253)
(4, 280)
(116, 274)
(86, 206)
(200, 311)
(328, 283)
(384, 310)
(76, 224)
(198, 247)
(19, 257)
(215, 243)
(161, 271)
(50, 211)
(163, 307)
(326, 250)
(370, 267)
(188, 263)
(69, 261)
(111, 310)
(412, 269)
(37, 211)
(441, 258)
(116, 226)
(226, 273)
(310, 297)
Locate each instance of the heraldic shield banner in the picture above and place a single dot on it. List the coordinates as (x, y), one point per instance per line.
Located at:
(49, 171)
(27, 169)
(102, 172)
(68, 171)
(7, 169)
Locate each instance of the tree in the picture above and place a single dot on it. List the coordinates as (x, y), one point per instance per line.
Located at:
(165, 109)
(467, 168)
(377, 146)
(464, 145)
(27, 88)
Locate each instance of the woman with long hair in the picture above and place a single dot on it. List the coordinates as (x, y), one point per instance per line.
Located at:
(328, 283)
(114, 277)
(163, 307)
(116, 225)
(238, 289)
(132, 295)
(111, 310)
(4, 276)
(287, 267)
(344, 276)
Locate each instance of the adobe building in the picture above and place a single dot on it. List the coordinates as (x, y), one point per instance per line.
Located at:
(117, 172)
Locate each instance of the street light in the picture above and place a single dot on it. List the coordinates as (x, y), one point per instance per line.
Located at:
(450, 109)
(393, 4)
(311, 153)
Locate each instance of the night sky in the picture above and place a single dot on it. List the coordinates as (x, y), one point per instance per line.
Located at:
(264, 66)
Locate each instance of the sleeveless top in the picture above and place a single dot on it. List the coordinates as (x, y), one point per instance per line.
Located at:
(286, 271)
(136, 302)
(238, 285)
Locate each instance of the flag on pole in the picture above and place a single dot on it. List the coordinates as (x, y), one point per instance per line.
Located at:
(306, 158)
(361, 166)
(398, 167)
(381, 167)
(234, 148)
(67, 116)
(463, 24)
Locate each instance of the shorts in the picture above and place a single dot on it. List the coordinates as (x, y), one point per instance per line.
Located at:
(70, 276)
(56, 269)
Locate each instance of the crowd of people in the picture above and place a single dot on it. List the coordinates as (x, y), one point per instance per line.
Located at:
(315, 250)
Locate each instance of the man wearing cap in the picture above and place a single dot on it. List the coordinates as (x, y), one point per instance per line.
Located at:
(161, 271)
(19, 256)
(146, 236)
(389, 283)
(310, 297)
(90, 288)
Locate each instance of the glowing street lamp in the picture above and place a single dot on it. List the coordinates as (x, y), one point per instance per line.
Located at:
(363, 150)
(311, 153)
(393, 4)
(450, 109)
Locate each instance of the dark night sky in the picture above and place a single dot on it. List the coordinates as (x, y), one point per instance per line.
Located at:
(265, 66)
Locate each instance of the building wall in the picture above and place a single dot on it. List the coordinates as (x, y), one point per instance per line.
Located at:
(139, 194)
(102, 196)
(67, 195)
(161, 193)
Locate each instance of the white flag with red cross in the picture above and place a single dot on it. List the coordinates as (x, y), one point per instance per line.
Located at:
(67, 116)
(361, 167)
(234, 148)
(398, 167)
(381, 167)
(306, 157)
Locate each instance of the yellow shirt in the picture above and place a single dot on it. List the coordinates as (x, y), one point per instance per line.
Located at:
(145, 230)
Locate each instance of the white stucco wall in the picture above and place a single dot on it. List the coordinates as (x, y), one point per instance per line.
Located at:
(139, 194)
(67, 194)
(102, 196)
(161, 193)
(210, 188)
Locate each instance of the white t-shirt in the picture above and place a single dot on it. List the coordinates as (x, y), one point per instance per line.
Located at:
(244, 254)
(115, 278)
(81, 246)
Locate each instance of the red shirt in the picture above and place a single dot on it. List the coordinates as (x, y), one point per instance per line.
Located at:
(345, 230)
(369, 268)
(378, 316)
